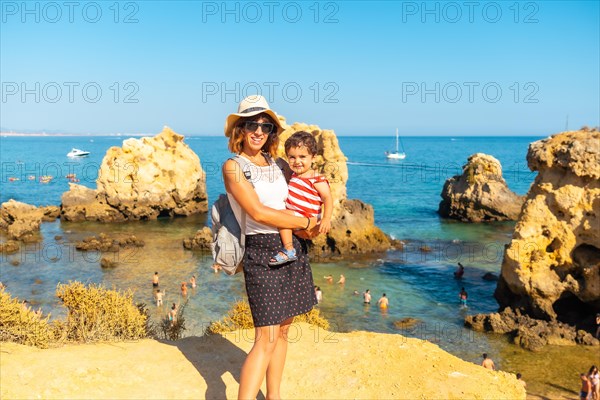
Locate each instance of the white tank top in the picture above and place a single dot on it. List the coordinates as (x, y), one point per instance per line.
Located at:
(272, 190)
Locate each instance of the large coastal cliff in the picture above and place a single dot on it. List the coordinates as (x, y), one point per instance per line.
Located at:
(551, 268)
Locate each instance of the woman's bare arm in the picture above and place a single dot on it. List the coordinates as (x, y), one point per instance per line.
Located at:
(243, 192)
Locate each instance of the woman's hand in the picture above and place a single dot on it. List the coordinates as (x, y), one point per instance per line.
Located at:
(312, 230)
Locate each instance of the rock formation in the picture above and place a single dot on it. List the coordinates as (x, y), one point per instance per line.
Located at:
(108, 244)
(200, 241)
(480, 194)
(527, 332)
(20, 220)
(51, 213)
(9, 247)
(144, 179)
(551, 268)
(332, 365)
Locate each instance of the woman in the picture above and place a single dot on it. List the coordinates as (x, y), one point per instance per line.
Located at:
(275, 294)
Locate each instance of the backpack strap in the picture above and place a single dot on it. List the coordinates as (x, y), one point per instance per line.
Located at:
(284, 167)
(246, 169)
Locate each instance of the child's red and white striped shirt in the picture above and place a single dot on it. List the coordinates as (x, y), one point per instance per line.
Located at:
(303, 197)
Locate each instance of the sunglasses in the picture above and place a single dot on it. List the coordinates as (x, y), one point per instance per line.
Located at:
(266, 127)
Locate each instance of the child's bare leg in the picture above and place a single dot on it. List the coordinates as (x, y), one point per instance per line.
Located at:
(286, 234)
(289, 252)
(286, 238)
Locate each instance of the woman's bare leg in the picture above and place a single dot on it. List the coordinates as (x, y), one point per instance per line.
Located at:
(275, 368)
(257, 361)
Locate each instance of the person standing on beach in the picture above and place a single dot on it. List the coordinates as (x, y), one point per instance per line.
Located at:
(488, 362)
(275, 294)
(155, 280)
(367, 297)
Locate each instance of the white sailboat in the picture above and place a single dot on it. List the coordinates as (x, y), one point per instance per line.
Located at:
(396, 155)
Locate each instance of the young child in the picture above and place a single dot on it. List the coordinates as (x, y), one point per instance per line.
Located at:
(308, 192)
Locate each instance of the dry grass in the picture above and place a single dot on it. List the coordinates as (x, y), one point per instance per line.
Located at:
(313, 317)
(239, 317)
(18, 323)
(96, 313)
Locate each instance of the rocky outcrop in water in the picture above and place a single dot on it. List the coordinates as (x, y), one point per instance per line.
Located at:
(9, 247)
(103, 242)
(527, 332)
(144, 179)
(200, 241)
(19, 220)
(551, 268)
(51, 213)
(480, 194)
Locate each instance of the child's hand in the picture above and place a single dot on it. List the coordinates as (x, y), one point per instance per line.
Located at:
(325, 226)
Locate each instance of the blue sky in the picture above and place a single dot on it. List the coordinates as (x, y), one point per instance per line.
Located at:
(360, 68)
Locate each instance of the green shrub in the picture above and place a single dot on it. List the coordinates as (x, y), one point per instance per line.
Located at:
(96, 313)
(240, 317)
(18, 323)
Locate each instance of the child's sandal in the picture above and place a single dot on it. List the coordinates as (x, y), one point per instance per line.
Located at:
(283, 257)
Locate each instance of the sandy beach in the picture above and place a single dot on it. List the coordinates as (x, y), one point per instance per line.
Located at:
(320, 365)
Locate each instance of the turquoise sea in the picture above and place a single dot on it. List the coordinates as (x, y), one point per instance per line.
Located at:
(405, 195)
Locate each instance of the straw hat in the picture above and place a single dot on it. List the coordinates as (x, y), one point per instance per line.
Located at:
(251, 105)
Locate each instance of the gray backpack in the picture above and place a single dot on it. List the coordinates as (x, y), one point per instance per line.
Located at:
(228, 239)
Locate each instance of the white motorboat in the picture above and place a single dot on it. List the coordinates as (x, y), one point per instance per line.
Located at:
(75, 153)
(396, 155)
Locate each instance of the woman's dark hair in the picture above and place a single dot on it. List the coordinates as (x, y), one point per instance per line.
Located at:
(236, 141)
(302, 139)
